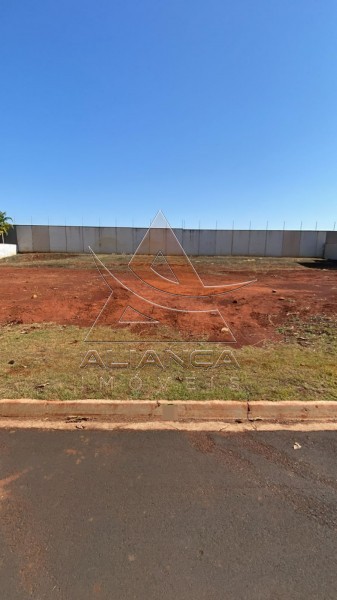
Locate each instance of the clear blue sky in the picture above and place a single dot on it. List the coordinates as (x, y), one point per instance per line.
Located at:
(212, 111)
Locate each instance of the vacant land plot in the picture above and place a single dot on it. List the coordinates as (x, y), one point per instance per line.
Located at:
(284, 324)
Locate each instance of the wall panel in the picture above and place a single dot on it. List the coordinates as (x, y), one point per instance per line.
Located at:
(25, 238)
(57, 238)
(40, 236)
(191, 241)
(124, 240)
(207, 242)
(274, 243)
(74, 239)
(107, 240)
(257, 243)
(308, 243)
(291, 243)
(223, 242)
(240, 246)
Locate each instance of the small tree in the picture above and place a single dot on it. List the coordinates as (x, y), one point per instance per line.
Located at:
(5, 225)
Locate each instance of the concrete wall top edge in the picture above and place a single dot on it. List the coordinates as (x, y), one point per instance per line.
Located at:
(145, 228)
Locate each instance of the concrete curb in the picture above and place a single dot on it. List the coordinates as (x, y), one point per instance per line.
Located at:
(146, 410)
(133, 409)
(294, 410)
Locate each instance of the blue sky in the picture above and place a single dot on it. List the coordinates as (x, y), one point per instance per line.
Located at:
(214, 112)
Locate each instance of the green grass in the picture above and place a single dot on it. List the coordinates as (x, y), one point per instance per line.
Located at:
(62, 261)
(44, 361)
(209, 264)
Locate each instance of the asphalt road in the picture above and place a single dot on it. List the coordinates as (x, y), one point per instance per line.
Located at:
(167, 515)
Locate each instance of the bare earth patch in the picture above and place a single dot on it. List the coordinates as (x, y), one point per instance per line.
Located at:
(284, 324)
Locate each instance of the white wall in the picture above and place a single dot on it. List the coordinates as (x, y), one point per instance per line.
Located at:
(7, 250)
(125, 240)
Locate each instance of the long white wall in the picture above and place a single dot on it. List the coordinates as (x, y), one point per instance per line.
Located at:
(125, 240)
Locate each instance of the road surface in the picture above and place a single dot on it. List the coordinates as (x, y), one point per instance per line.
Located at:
(147, 515)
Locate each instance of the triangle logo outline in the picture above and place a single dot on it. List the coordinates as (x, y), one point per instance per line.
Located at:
(164, 262)
(143, 319)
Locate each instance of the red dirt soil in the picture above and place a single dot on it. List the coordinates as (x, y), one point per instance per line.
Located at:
(252, 313)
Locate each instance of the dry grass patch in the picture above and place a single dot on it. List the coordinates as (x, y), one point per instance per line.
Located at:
(44, 361)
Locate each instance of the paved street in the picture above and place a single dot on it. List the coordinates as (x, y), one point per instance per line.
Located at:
(116, 515)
